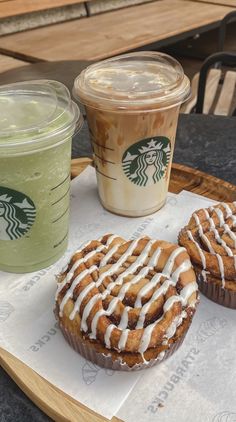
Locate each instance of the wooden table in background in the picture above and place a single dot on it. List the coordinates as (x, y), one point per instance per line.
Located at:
(154, 24)
(9, 8)
(7, 63)
(62, 71)
(229, 3)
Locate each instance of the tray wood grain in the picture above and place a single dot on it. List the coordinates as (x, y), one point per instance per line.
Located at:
(56, 404)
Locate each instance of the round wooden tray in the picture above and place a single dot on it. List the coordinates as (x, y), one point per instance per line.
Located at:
(55, 403)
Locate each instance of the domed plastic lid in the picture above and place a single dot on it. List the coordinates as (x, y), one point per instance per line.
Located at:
(36, 113)
(135, 81)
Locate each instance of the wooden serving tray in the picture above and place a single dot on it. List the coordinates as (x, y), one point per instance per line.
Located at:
(56, 404)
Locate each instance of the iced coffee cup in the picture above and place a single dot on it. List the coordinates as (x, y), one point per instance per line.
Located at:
(132, 105)
(37, 121)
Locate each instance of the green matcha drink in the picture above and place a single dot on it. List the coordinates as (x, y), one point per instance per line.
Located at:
(37, 121)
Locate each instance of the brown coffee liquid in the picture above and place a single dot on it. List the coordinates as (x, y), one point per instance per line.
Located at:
(112, 134)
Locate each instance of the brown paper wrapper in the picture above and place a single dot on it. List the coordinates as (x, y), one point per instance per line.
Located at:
(217, 294)
(106, 361)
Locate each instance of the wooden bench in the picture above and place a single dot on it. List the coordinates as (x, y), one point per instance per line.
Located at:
(154, 24)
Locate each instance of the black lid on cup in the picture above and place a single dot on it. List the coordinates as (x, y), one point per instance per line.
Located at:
(133, 82)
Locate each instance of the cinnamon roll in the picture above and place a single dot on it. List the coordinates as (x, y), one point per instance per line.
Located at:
(126, 304)
(210, 239)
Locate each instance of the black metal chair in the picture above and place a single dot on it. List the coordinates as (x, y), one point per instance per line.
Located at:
(213, 80)
(220, 102)
(222, 29)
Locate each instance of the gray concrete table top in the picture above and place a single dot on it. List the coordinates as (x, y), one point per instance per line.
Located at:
(207, 143)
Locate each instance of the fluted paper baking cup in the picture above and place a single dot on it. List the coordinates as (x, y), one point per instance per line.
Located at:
(217, 294)
(106, 361)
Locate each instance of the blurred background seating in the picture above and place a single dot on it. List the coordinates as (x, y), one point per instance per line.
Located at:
(39, 38)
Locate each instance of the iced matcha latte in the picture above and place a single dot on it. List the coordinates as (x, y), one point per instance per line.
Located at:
(37, 120)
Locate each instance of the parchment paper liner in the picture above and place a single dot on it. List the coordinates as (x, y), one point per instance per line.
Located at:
(105, 361)
(216, 293)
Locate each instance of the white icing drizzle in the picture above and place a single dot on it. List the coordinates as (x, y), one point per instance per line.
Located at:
(153, 261)
(201, 254)
(80, 298)
(142, 274)
(88, 307)
(196, 218)
(120, 261)
(231, 234)
(187, 292)
(155, 280)
(61, 285)
(109, 255)
(107, 337)
(146, 337)
(221, 268)
(211, 221)
(133, 267)
(201, 234)
(227, 229)
(172, 279)
(204, 273)
(137, 263)
(123, 339)
(101, 312)
(227, 208)
(76, 265)
(172, 328)
(146, 289)
(86, 258)
(222, 243)
(220, 215)
(76, 281)
(159, 292)
(83, 260)
(205, 239)
(233, 218)
(216, 234)
(185, 266)
(170, 302)
(167, 270)
(124, 318)
(111, 238)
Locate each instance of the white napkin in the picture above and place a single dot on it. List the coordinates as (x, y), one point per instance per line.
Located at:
(29, 331)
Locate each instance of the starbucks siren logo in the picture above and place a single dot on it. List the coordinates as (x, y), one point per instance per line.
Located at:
(17, 214)
(146, 162)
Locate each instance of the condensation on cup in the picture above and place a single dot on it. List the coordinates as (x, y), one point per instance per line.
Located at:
(132, 105)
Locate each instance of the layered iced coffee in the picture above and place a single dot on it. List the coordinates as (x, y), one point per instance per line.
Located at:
(132, 105)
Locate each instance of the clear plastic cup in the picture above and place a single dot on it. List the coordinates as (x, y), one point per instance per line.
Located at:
(37, 121)
(132, 105)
